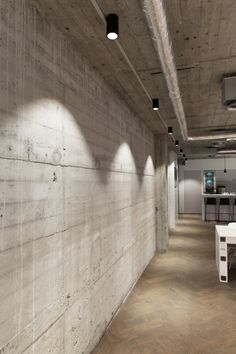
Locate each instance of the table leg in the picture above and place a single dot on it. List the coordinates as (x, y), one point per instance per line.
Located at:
(223, 260)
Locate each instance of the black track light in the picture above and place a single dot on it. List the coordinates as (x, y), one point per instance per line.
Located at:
(225, 171)
(170, 130)
(181, 151)
(186, 158)
(112, 26)
(155, 104)
(184, 155)
(176, 142)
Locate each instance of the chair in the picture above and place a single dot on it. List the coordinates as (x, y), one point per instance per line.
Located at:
(210, 209)
(224, 212)
(234, 210)
(231, 248)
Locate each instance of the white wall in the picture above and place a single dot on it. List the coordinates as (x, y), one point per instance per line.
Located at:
(192, 192)
(199, 165)
(226, 179)
(210, 164)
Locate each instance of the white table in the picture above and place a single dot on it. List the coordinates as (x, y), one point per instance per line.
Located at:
(225, 235)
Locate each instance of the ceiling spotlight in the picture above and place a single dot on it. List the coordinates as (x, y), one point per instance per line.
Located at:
(176, 142)
(186, 159)
(170, 130)
(155, 104)
(181, 151)
(184, 155)
(225, 165)
(112, 26)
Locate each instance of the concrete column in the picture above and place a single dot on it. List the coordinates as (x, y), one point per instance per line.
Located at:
(161, 191)
(172, 191)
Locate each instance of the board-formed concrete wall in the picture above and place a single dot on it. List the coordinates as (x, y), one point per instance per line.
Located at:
(77, 191)
(161, 190)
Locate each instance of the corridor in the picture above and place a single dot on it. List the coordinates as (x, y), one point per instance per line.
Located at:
(178, 306)
(117, 124)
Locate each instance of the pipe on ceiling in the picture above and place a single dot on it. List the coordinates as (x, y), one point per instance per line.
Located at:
(212, 137)
(157, 21)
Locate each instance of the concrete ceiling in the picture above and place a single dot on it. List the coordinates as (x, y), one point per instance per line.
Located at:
(203, 36)
(204, 46)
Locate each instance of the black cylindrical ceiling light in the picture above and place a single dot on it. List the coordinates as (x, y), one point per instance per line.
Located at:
(184, 155)
(170, 130)
(176, 142)
(112, 26)
(186, 159)
(181, 151)
(155, 104)
(225, 170)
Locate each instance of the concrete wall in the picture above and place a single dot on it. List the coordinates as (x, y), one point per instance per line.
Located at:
(172, 190)
(77, 191)
(161, 189)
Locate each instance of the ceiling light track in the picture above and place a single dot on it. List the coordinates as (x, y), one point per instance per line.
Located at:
(103, 18)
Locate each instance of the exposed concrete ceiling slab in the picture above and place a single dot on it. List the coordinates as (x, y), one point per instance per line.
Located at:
(204, 47)
(204, 44)
(79, 21)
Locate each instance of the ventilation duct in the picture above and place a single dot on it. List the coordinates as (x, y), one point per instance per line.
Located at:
(156, 18)
(229, 93)
(211, 137)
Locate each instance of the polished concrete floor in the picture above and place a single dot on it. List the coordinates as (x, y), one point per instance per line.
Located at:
(178, 306)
